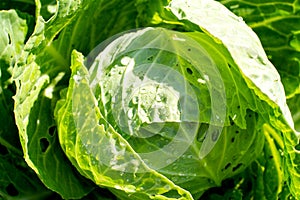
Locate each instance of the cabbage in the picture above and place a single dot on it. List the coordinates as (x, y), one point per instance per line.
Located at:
(149, 100)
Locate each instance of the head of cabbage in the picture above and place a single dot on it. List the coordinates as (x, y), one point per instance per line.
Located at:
(156, 113)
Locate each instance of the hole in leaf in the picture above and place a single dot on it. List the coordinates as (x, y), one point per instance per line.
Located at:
(297, 160)
(237, 167)
(3, 150)
(189, 49)
(11, 87)
(237, 132)
(297, 147)
(44, 144)
(188, 70)
(56, 36)
(9, 38)
(232, 140)
(284, 183)
(12, 190)
(227, 166)
(150, 58)
(52, 130)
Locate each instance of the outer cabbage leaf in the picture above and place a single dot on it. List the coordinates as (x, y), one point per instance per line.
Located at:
(276, 24)
(36, 76)
(82, 130)
(23, 6)
(17, 179)
(12, 40)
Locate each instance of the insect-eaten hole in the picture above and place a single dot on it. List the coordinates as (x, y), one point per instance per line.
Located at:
(56, 36)
(3, 150)
(150, 58)
(226, 166)
(297, 147)
(232, 140)
(189, 71)
(51, 130)
(237, 167)
(12, 190)
(44, 144)
(9, 39)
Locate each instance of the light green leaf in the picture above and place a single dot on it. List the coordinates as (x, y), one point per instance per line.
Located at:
(82, 130)
(17, 179)
(12, 40)
(12, 33)
(36, 75)
(276, 24)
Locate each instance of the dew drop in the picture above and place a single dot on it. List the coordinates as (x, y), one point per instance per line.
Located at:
(169, 161)
(158, 98)
(143, 90)
(206, 77)
(167, 187)
(130, 113)
(240, 19)
(201, 81)
(215, 135)
(135, 100)
(77, 78)
(125, 60)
